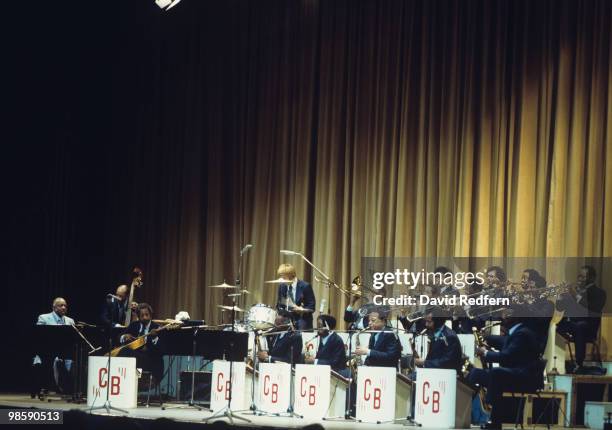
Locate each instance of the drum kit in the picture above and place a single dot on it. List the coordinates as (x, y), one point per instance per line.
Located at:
(259, 316)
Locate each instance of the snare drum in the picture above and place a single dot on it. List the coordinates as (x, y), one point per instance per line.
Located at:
(261, 317)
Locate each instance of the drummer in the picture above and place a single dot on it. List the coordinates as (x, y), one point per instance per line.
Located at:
(296, 296)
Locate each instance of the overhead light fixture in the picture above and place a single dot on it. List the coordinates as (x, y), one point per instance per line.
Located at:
(166, 4)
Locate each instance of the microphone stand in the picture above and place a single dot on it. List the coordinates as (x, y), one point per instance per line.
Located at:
(349, 389)
(226, 411)
(107, 404)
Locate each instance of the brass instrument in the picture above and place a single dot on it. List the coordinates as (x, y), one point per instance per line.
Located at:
(356, 289)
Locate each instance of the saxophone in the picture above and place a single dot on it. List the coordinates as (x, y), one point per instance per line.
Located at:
(482, 392)
(356, 360)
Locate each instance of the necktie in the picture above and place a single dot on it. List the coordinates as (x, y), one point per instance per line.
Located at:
(291, 293)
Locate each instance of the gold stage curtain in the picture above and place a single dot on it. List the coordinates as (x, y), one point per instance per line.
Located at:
(343, 129)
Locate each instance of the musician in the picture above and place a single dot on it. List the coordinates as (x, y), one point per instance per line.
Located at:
(59, 366)
(582, 306)
(296, 296)
(541, 310)
(384, 348)
(331, 347)
(116, 306)
(149, 356)
(445, 349)
(285, 346)
(520, 367)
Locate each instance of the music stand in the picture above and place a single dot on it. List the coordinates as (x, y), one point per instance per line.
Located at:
(183, 345)
(58, 341)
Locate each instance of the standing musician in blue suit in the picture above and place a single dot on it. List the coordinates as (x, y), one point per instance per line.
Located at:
(296, 296)
(520, 366)
(331, 347)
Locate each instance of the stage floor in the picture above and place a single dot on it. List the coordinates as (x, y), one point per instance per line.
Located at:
(194, 417)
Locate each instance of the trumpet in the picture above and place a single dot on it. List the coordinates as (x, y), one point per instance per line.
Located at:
(356, 289)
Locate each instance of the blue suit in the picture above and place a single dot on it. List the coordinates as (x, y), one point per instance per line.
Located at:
(282, 347)
(385, 349)
(53, 319)
(58, 366)
(332, 353)
(304, 296)
(520, 368)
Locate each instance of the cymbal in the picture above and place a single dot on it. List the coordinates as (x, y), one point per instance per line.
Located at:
(229, 308)
(278, 281)
(239, 293)
(223, 285)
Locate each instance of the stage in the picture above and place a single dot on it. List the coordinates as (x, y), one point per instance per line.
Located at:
(189, 415)
(154, 417)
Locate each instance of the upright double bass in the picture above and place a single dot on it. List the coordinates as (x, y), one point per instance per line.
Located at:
(136, 282)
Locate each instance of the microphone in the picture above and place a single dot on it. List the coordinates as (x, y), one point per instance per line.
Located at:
(423, 332)
(110, 295)
(322, 306)
(246, 248)
(288, 252)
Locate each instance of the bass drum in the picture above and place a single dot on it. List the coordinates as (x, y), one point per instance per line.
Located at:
(261, 317)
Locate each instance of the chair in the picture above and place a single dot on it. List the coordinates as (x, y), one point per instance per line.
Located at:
(593, 340)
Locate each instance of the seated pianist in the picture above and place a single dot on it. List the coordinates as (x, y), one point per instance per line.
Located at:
(331, 347)
(47, 367)
(148, 357)
(286, 346)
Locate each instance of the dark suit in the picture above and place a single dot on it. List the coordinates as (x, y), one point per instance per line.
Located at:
(353, 318)
(445, 352)
(583, 318)
(332, 353)
(148, 357)
(520, 368)
(281, 347)
(541, 312)
(113, 312)
(304, 296)
(385, 350)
